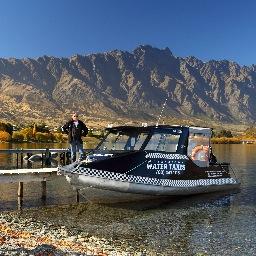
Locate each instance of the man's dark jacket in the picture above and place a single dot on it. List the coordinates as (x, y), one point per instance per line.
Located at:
(75, 133)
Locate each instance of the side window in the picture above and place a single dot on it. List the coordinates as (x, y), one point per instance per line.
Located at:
(163, 142)
(198, 148)
(121, 142)
(140, 140)
(109, 141)
(154, 142)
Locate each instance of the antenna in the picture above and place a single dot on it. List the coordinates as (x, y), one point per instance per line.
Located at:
(163, 107)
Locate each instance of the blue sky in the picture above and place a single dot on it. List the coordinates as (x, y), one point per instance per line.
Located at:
(207, 29)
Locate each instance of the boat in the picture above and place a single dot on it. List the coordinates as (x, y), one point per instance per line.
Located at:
(137, 163)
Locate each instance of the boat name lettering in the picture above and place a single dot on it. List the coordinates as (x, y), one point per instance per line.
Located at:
(212, 174)
(163, 172)
(166, 167)
(165, 156)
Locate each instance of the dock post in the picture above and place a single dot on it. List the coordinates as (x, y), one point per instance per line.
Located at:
(47, 157)
(62, 158)
(20, 202)
(20, 189)
(77, 196)
(42, 160)
(21, 158)
(17, 160)
(43, 183)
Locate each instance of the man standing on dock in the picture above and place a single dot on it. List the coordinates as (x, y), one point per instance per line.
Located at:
(75, 129)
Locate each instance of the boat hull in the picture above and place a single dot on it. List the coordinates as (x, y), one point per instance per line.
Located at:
(99, 189)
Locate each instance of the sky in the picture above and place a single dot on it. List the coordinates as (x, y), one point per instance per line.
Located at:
(206, 29)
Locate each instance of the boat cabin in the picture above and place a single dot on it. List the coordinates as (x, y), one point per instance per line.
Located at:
(191, 141)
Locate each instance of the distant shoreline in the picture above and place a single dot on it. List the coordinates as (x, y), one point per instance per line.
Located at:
(93, 141)
(233, 140)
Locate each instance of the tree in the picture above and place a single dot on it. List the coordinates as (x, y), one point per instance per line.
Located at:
(42, 128)
(58, 137)
(5, 136)
(6, 127)
(225, 133)
(34, 130)
(250, 132)
(27, 133)
(17, 136)
(42, 137)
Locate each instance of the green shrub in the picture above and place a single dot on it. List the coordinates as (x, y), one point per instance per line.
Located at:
(58, 137)
(225, 140)
(17, 136)
(42, 137)
(224, 133)
(27, 133)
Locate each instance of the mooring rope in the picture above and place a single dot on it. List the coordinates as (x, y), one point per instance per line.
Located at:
(136, 167)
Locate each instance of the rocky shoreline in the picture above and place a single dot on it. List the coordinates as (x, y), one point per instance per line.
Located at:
(21, 233)
(26, 237)
(191, 226)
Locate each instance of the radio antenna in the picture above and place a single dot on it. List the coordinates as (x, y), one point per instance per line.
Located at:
(163, 107)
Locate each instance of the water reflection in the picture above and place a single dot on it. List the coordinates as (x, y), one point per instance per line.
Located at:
(211, 224)
(182, 226)
(9, 161)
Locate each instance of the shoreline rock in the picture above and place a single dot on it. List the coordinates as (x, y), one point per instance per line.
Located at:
(21, 235)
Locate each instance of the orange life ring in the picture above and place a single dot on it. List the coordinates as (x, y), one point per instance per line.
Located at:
(198, 149)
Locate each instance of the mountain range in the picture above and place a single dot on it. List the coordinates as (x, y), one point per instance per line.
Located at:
(121, 85)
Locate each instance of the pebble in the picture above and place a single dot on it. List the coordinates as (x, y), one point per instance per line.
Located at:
(124, 232)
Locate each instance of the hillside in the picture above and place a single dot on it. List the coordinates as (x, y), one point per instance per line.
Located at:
(120, 85)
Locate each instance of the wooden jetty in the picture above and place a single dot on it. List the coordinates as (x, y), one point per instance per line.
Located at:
(24, 175)
(27, 175)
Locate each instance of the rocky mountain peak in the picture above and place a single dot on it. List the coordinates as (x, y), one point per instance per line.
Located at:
(131, 85)
(150, 50)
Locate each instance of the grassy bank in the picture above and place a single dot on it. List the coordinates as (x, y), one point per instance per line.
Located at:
(233, 140)
(225, 140)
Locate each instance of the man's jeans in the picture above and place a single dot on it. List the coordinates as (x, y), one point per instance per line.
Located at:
(76, 146)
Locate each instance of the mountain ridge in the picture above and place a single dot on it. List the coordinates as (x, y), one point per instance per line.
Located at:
(126, 85)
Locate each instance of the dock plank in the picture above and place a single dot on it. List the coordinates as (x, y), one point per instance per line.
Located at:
(26, 175)
(27, 171)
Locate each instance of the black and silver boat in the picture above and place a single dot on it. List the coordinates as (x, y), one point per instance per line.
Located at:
(133, 163)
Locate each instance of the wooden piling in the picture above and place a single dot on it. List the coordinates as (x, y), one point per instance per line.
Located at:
(77, 196)
(42, 160)
(43, 183)
(47, 157)
(17, 160)
(20, 203)
(21, 159)
(20, 189)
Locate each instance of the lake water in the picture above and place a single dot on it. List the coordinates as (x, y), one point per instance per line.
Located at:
(214, 224)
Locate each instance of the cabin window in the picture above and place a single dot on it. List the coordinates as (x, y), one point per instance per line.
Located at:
(198, 148)
(140, 140)
(109, 142)
(163, 142)
(123, 141)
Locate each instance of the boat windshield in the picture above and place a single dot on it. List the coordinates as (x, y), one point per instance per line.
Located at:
(123, 141)
(163, 142)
